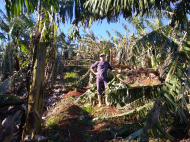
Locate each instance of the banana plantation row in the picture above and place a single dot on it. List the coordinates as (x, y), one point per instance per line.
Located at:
(34, 51)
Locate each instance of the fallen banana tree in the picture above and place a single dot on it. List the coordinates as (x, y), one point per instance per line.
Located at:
(9, 84)
(152, 105)
(120, 93)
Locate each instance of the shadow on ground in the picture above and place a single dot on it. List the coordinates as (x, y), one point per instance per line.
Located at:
(77, 126)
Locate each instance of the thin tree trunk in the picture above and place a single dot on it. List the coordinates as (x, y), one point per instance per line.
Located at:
(11, 67)
(10, 58)
(4, 65)
(36, 95)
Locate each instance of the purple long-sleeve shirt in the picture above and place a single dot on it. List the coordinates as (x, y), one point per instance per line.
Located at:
(102, 68)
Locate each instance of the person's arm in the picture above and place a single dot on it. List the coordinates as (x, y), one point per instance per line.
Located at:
(93, 66)
(96, 73)
(111, 68)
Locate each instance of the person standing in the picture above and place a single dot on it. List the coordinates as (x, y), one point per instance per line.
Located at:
(101, 75)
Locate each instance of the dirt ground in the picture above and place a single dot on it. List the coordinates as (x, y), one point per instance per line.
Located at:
(77, 126)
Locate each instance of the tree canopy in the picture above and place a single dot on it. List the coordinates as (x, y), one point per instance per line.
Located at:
(88, 11)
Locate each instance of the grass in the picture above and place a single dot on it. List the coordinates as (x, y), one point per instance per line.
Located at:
(87, 109)
(51, 121)
(73, 74)
(71, 77)
(56, 117)
(68, 127)
(51, 125)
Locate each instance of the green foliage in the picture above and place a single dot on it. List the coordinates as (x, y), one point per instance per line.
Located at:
(111, 9)
(172, 97)
(52, 120)
(6, 84)
(70, 75)
(25, 62)
(90, 96)
(73, 74)
(87, 109)
(24, 48)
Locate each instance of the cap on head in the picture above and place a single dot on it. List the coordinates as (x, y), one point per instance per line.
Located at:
(101, 55)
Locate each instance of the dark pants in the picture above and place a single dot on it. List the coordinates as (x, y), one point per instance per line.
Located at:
(101, 82)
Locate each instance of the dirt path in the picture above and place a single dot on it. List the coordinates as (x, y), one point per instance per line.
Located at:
(74, 124)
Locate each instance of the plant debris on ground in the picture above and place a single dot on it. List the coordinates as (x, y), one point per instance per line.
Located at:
(66, 120)
(70, 121)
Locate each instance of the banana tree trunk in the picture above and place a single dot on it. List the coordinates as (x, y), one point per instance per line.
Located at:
(36, 95)
(10, 58)
(11, 67)
(119, 56)
(50, 67)
(122, 56)
(110, 55)
(4, 65)
(53, 74)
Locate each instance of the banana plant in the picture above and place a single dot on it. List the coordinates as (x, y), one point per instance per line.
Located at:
(112, 9)
(168, 111)
(172, 99)
(91, 41)
(15, 56)
(48, 12)
(171, 104)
